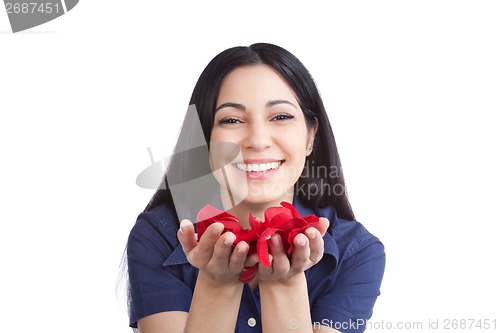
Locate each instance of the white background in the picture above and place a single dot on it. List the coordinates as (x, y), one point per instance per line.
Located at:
(412, 89)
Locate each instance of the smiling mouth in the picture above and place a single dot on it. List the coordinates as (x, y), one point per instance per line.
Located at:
(260, 167)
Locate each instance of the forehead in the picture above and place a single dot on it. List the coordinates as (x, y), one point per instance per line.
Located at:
(254, 82)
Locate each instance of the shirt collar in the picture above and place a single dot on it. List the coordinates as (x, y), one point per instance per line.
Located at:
(178, 257)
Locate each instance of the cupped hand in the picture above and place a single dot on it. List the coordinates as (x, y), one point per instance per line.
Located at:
(214, 253)
(307, 252)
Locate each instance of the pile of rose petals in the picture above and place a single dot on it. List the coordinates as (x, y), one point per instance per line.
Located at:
(285, 221)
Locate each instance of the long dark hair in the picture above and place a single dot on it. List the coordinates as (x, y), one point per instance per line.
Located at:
(324, 187)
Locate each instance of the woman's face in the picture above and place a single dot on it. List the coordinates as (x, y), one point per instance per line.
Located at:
(257, 111)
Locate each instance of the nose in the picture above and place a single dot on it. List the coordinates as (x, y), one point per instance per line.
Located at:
(258, 136)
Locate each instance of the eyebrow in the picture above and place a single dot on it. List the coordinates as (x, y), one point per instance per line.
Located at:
(242, 107)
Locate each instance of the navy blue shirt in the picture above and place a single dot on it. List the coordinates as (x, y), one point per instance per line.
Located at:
(342, 286)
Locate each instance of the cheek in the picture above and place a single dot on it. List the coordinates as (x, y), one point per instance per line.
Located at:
(223, 153)
(218, 135)
(295, 146)
(214, 135)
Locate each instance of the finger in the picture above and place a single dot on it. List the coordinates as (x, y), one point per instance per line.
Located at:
(300, 253)
(238, 257)
(316, 244)
(323, 225)
(187, 236)
(263, 270)
(281, 263)
(222, 251)
(251, 260)
(202, 253)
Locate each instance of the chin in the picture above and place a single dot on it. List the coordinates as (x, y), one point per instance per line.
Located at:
(266, 198)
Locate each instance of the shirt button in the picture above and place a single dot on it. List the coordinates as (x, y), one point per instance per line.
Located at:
(251, 322)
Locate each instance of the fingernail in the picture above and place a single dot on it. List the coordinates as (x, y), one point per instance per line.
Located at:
(302, 242)
(183, 225)
(242, 249)
(216, 230)
(312, 234)
(229, 240)
(275, 240)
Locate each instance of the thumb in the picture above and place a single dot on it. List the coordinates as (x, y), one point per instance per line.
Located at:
(187, 236)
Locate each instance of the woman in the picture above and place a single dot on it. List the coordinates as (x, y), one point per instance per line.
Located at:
(261, 100)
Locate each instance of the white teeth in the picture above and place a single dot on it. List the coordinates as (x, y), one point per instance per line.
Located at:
(258, 167)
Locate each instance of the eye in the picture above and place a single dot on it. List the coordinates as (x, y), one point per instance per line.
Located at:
(229, 120)
(283, 116)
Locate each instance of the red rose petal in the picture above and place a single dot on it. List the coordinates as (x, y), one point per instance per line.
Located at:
(248, 274)
(279, 219)
(285, 220)
(232, 226)
(292, 224)
(208, 212)
(213, 215)
(256, 224)
(201, 227)
(295, 213)
(271, 212)
(263, 246)
(311, 218)
(247, 235)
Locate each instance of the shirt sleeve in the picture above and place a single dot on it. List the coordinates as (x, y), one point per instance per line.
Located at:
(348, 302)
(153, 288)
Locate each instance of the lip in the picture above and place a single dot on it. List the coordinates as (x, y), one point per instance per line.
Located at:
(259, 175)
